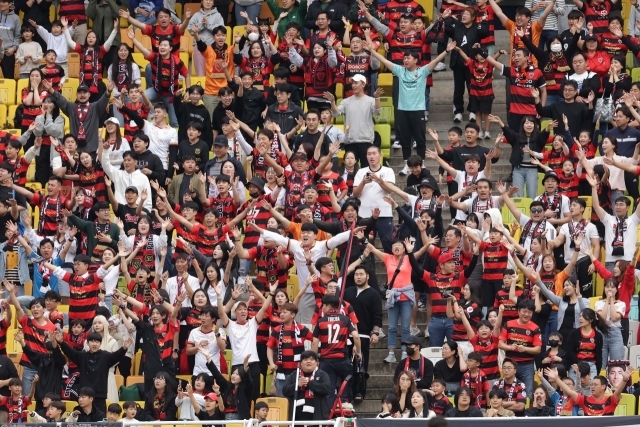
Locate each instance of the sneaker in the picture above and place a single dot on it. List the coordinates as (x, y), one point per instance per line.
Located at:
(391, 358)
(396, 144)
(405, 170)
(404, 355)
(472, 117)
(426, 332)
(509, 178)
(413, 145)
(414, 330)
(440, 67)
(381, 333)
(457, 118)
(426, 118)
(487, 135)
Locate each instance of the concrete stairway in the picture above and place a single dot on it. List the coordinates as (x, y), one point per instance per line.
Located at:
(380, 381)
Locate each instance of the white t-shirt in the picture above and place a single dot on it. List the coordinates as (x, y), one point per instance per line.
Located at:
(159, 141)
(243, 341)
(620, 307)
(590, 232)
(629, 236)
(463, 179)
(550, 230)
(372, 193)
(196, 336)
(481, 205)
(172, 290)
(563, 207)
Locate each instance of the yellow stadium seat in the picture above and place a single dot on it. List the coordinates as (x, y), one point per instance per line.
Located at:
(179, 10)
(186, 43)
(119, 382)
(7, 91)
(627, 405)
(35, 186)
(14, 132)
(630, 211)
(135, 379)
(522, 203)
(592, 301)
(70, 404)
(278, 408)
(63, 308)
(31, 172)
(184, 57)
(387, 113)
(22, 84)
(228, 359)
(239, 29)
(136, 366)
(73, 59)
(265, 383)
(635, 74)
(69, 89)
(339, 90)
(35, 216)
(15, 357)
(13, 346)
(229, 35)
(3, 117)
(385, 140)
(293, 286)
(124, 37)
(139, 59)
(193, 7)
(53, 13)
(385, 80)
(145, 40)
(540, 186)
(11, 115)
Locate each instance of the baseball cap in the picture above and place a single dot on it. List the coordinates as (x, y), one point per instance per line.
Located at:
(211, 396)
(359, 78)
(237, 304)
(298, 155)
(221, 140)
(112, 120)
(83, 88)
(445, 257)
(412, 339)
(131, 188)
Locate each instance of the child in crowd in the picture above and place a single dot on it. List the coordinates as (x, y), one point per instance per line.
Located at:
(438, 401)
(261, 411)
(29, 52)
(497, 396)
(56, 41)
(53, 72)
(130, 410)
(477, 382)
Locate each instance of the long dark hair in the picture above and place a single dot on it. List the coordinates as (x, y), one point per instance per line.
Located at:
(596, 321)
(412, 388)
(522, 136)
(128, 62)
(342, 168)
(56, 110)
(39, 71)
(118, 143)
(206, 284)
(392, 400)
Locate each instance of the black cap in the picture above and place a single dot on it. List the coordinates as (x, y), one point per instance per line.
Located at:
(428, 182)
(548, 175)
(412, 339)
(590, 37)
(221, 140)
(258, 182)
(131, 188)
(310, 187)
(298, 155)
(82, 88)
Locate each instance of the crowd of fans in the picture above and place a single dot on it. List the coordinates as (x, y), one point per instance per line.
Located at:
(205, 208)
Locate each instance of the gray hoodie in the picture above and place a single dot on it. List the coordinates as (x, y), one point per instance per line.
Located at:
(10, 30)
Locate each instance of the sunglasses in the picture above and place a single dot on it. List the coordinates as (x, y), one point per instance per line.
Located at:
(536, 211)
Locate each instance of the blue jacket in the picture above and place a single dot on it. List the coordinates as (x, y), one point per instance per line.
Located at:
(158, 4)
(23, 267)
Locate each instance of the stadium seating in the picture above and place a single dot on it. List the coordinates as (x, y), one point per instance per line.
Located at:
(278, 408)
(7, 91)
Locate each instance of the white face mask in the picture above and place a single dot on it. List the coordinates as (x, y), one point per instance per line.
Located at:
(253, 37)
(557, 47)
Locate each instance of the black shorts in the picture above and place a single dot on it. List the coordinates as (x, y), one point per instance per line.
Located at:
(480, 105)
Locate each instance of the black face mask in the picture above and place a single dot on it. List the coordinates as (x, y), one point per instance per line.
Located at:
(554, 343)
(254, 195)
(411, 351)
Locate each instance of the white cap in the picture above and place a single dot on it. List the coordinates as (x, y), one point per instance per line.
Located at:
(112, 120)
(359, 78)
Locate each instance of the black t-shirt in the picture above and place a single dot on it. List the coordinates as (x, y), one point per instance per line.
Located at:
(415, 180)
(129, 216)
(459, 154)
(3, 224)
(7, 193)
(541, 319)
(449, 375)
(569, 317)
(7, 371)
(313, 139)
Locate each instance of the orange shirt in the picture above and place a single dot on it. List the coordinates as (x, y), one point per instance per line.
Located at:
(216, 80)
(295, 228)
(536, 32)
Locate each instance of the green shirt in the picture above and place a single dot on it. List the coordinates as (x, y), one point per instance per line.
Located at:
(412, 85)
(296, 14)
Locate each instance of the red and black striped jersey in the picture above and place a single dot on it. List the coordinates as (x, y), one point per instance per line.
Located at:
(568, 185)
(456, 10)
(324, 184)
(271, 320)
(156, 33)
(4, 327)
(396, 8)
(460, 258)
(141, 292)
(287, 343)
(316, 36)
(425, 59)
(35, 335)
(489, 351)
(50, 212)
(5, 137)
(479, 386)
(90, 64)
(225, 207)
(17, 409)
(473, 312)
(526, 335)
(76, 342)
(516, 392)
(260, 166)
(439, 283)
(346, 309)
(92, 180)
(130, 127)
(165, 334)
(268, 268)
(20, 168)
(357, 64)
(333, 330)
(30, 111)
(554, 159)
(206, 240)
(587, 347)
(73, 10)
(612, 44)
(260, 216)
(84, 296)
(400, 42)
(184, 233)
(260, 68)
(53, 73)
(481, 79)
(520, 83)
(486, 14)
(593, 407)
(169, 74)
(502, 298)
(56, 318)
(496, 256)
(296, 182)
(597, 14)
(439, 406)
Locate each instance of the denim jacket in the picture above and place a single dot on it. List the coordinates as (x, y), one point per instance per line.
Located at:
(23, 266)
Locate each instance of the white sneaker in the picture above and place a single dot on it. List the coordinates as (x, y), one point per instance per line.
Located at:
(414, 330)
(381, 333)
(391, 358)
(440, 67)
(426, 118)
(472, 117)
(396, 144)
(457, 118)
(426, 332)
(404, 355)
(414, 145)
(405, 170)
(487, 135)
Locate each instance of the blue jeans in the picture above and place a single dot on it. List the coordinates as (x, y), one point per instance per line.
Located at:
(552, 99)
(612, 345)
(401, 310)
(279, 387)
(168, 101)
(107, 302)
(609, 266)
(27, 379)
(525, 374)
(439, 329)
(552, 326)
(615, 195)
(574, 377)
(147, 19)
(253, 11)
(526, 176)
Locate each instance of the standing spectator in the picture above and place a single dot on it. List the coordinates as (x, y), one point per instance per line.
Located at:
(106, 19)
(333, 11)
(359, 111)
(55, 41)
(37, 11)
(550, 28)
(294, 13)
(204, 21)
(29, 52)
(73, 11)
(10, 36)
(312, 389)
